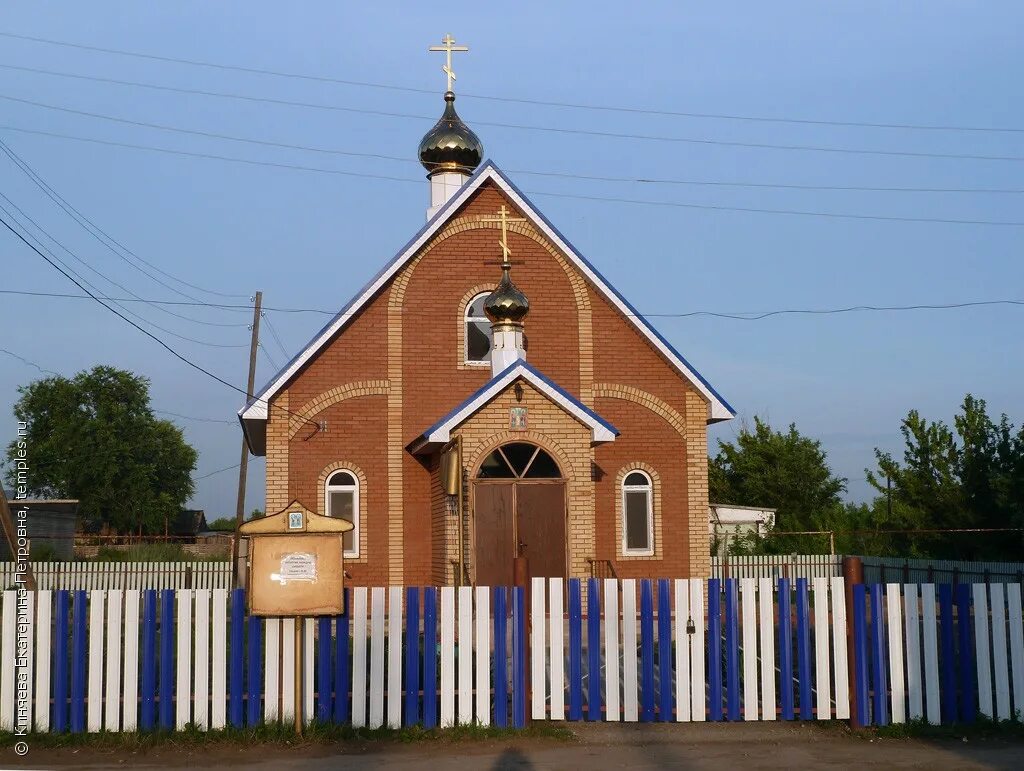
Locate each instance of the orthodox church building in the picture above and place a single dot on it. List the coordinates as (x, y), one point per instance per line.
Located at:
(490, 395)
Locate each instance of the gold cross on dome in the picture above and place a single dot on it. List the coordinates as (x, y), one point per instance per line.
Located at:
(448, 45)
(504, 219)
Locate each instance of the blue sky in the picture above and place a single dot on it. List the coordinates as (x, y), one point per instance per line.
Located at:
(846, 379)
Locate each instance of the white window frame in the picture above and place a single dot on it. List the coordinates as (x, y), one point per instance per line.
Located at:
(354, 489)
(647, 488)
(466, 319)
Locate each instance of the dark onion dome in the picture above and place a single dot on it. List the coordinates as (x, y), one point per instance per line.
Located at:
(451, 145)
(506, 303)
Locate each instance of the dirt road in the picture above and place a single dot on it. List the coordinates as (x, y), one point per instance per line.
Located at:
(597, 746)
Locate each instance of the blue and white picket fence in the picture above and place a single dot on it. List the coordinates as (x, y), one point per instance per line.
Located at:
(616, 650)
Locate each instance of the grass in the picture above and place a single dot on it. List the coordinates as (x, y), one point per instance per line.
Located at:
(982, 728)
(151, 552)
(279, 734)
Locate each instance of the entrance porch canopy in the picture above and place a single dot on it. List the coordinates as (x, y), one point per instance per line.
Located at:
(439, 434)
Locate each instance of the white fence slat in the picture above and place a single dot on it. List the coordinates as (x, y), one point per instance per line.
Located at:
(915, 693)
(1016, 616)
(94, 697)
(288, 654)
(748, 601)
(766, 619)
(28, 620)
(183, 683)
(611, 649)
(7, 674)
(897, 683)
(112, 714)
(538, 650)
(697, 690)
(929, 628)
(130, 702)
(376, 657)
(483, 656)
(557, 649)
(840, 663)
(822, 680)
(395, 657)
(682, 597)
(272, 669)
(219, 660)
(1000, 664)
(447, 656)
(308, 670)
(465, 655)
(630, 706)
(201, 676)
(44, 614)
(981, 650)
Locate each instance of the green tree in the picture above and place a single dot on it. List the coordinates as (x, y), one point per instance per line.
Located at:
(785, 471)
(94, 437)
(970, 476)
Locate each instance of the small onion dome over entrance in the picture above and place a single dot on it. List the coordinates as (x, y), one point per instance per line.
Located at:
(506, 303)
(450, 145)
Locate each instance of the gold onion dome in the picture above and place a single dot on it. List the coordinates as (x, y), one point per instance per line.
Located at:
(451, 145)
(506, 303)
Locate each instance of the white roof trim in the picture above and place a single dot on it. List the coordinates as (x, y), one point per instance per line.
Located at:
(257, 409)
(440, 433)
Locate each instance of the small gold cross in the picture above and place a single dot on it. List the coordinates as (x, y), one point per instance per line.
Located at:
(504, 219)
(448, 46)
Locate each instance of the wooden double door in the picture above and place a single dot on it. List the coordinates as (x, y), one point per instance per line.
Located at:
(520, 517)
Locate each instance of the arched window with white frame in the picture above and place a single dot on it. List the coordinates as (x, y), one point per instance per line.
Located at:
(637, 514)
(478, 332)
(342, 494)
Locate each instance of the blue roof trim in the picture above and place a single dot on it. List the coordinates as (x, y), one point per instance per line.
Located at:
(650, 328)
(536, 373)
(441, 213)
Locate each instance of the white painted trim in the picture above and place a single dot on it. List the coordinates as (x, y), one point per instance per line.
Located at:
(466, 319)
(354, 489)
(649, 489)
(442, 434)
(258, 409)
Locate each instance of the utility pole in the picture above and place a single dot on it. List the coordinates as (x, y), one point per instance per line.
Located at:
(11, 536)
(244, 465)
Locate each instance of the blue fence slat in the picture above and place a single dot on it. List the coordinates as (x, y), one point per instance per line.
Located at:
(166, 698)
(500, 657)
(254, 700)
(879, 680)
(968, 702)
(666, 694)
(947, 700)
(323, 668)
(732, 649)
(714, 669)
(412, 655)
(236, 715)
(430, 657)
(785, 625)
(575, 650)
(518, 657)
(147, 714)
(646, 652)
(78, 662)
(593, 650)
(60, 663)
(860, 653)
(342, 664)
(803, 649)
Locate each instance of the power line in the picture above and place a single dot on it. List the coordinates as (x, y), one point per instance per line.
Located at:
(106, 240)
(200, 420)
(513, 100)
(54, 264)
(556, 174)
(270, 358)
(706, 207)
(23, 360)
(516, 126)
(737, 315)
(218, 471)
(276, 337)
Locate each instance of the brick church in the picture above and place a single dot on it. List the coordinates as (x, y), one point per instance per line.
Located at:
(489, 350)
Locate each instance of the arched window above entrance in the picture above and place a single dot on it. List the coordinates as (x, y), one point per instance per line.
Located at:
(519, 460)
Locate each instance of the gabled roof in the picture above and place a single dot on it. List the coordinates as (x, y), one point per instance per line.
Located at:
(254, 414)
(440, 433)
